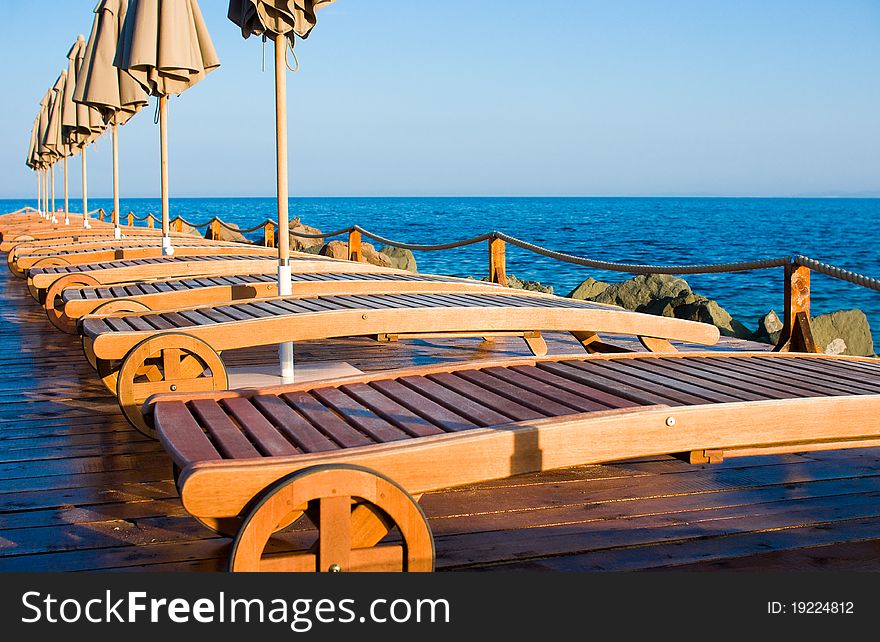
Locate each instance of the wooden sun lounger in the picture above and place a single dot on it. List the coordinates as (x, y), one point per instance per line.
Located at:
(41, 280)
(143, 296)
(16, 235)
(142, 354)
(355, 454)
(133, 250)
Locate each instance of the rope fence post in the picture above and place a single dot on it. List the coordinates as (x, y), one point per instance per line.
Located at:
(178, 224)
(354, 245)
(151, 220)
(130, 218)
(269, 234)
(214, 229)
(101, 214)
(797, 334)
(497, 261)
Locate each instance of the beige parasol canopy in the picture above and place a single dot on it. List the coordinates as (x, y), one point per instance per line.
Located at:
(270, 17)
(54, 140)
(81, 124)
(166, 46)
(281, 20)
(115, 93)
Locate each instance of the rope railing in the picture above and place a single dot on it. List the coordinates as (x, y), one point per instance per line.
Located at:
(837, 273)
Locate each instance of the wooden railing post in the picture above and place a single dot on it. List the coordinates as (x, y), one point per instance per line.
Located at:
(797, 335)
(269, 234)
(178, 224)
(214, 229)
(101, 214)
(131, 219)
(497, 261)
(151, 220)
(354, 246)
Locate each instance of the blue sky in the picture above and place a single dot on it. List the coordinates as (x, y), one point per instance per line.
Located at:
(499, 97)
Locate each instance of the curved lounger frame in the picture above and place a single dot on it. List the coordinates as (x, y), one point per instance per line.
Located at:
(251, 462)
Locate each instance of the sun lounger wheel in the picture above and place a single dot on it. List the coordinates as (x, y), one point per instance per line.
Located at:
(55, 306)
(168, 362)
(12, 265)
(353, 509)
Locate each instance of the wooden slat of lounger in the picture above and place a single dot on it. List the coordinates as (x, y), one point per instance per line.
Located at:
(216, 315)
(177, 319)
(817, 375)
(197, 317)
(229, 440)
(139, 324)
(260, 430)
(356, 302)
(189, 439)
(253, 310)
(594, 378)
(422, 406)
(158, 322)
(724, 391)
(862, 368)
(805, 388)
(327, 422)
(859, 378)
(270, 308)
(696, 394)
(474, 411)
(391, 411)
(118, 324)
(148, 288)
(485, 394)
(702, 367)
(527, 391)
(553, 382)
(550, 398)
(234, 312)
(363, 418)
(293, 425)
(791, 387)
(411, 300)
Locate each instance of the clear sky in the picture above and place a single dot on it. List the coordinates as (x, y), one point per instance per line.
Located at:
(498, 97)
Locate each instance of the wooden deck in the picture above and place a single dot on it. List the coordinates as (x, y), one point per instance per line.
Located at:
(80, 490)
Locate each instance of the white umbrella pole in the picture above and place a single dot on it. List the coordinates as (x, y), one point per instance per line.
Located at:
(85, 190)
(52, 179)
(283, 238)
(66, 202)
(39, 192)
(167, 248)
(117, 233)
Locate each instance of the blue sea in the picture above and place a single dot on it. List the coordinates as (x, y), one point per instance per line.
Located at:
(841, 231)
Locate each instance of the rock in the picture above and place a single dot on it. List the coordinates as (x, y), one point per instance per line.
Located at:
(229, 235)
(850, 326)
(665, 307)
(531, 286)
(186, 228)
(769, 329)
(400, 258)
(369, 254)
(838, 346)
(589, 289)
(708, 311)
(300, 244)
(642, 290)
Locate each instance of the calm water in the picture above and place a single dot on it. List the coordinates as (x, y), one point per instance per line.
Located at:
(659, 230)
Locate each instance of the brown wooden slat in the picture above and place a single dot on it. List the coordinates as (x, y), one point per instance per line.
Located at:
(139, 323)
(704, 366)
(230, 441)
(177, 319)
(356, 414)
(291, 424)
(860, 378)
(548, 398)
(189, 439)
(490, 395)
(422, 406)
(558, 382)
(234, 312)
(474, 411)
(624, 384)
(699, 394)
(668, 368)
(391, 411)
(158, 322)
(782, 375)
(326, 421)
(259, 430)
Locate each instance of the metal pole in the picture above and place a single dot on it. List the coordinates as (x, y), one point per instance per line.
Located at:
(285, 287)
(167, 248)
(85, 191)
(52, 170)
(116, 231)
(39, 192)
